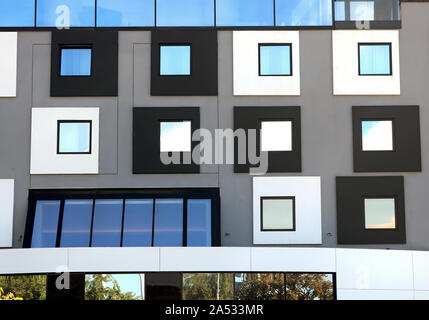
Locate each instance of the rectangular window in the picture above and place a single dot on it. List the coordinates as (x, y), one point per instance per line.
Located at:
(76, 62)
(277, 213)
(17, 13)
(185, 13)
(276, 136)
(168, 231)
(175, 60)
(361, 10)
(294, 13)
(111, 286)
(257, 13)
(275, 59)
(125, 13)
(375, 59)
(175, 136)
(76, 227)
(138, 222)
(310, 286)
(377, 135)
(208, 286)
(259, 286)
(46, 224)
(380, 213)
(199, 223)
(55, 13)
(107, 223)
(74, 137)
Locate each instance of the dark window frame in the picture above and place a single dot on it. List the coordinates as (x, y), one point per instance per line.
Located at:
(374, 44)
(77, 47)
(293, 213)
(393, 133)
(394, 197)
(59, 122)
(290, 45)
(191, 67)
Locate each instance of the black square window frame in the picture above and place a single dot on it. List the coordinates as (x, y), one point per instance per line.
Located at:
(59, 122)
(175, 45)
(275, 45)
(103, 81)
(203, 80)
(406, 156)
(376, 44)
(278, 198)
(366, 197)
(351, 192)
(393, 134)
(278, 161)
(147, 139)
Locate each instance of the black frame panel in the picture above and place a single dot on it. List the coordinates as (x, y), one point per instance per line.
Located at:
(146, 138)
(203, 80)
(104, 64)
(406, 156)
(293, 216)
(59, 122)
(376, 44)
(275, 45)
(278, 161)
(351, 192)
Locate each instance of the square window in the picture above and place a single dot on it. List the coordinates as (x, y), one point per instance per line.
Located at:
(175, 60)
(380, 213)
(175, 136)
(275, 60)
(76, 62)
(377, 135)
(276, 136)
(278, 214)
(375, 59)
(74, 137)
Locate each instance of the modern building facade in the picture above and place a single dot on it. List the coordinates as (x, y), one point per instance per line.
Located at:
(332, 93)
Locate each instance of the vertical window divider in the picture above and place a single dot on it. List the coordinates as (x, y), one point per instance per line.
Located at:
(92, 222)
(60, 223)
(274, 14)
(155, 19)
(122, 222)
(185, 222)
(95, 12)
(35, 13)
(153, 220)
(214, 15)
(347, 10)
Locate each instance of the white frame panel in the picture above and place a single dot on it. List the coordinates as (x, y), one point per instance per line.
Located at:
(8, 64)
(6, 212)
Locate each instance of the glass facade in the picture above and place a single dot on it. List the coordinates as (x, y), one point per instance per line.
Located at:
(185, 13)
(125, 13)
(231, 13)
(375, 10)
(76, 227)
(300, 13)
(65, 13)
(45, 224)
(17, 13)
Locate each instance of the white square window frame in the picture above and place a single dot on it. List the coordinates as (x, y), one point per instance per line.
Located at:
(308, 209)
(247, 81)
(44, 133)
(8, 64)
(345, 55)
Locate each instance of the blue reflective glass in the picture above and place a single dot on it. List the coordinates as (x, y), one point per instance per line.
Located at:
(125, 13)
(185, 13)
(64, 13)
(17, 13)
(76, 62)
(45, 224)
(374, 59)
(244, 13)
(74, 137)
(168, 223)
(76, 228)
(138, 218)
(275, 60)
(303, 13)
(175, 60)
(340, 11)
(199, 223)
(107, 224)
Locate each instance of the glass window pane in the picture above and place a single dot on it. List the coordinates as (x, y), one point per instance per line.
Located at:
(53, 13)
(75, 62)
(278, 214)
(276, 136)
(76, 229)
(163, 286)
(17, 13)
(74, 137)
(199, 223)
(107, 224)
(275, 60)
(377, 135)
(168, 223)
(125, 13)
(340, 11)
(46, 224)
(380, 214)
(185, 13)
(259, 286)
(26, 287)
(138, 218)
(175, 60)
(208, 286)
(374, 59)
(114, 286)
(244, 13)
(303, 13)
(176, 136)
(362, 10)
(309, 286)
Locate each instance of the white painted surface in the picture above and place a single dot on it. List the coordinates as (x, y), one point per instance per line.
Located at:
(44, 157)
(247, 81)
(421, 295)
(308, 211)
(346, 64)
(6, 212)
(8, 63)
(421, 270)
(346, 294)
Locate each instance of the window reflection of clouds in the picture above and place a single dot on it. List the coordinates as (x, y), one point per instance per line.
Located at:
(380, 213)
(377, 135)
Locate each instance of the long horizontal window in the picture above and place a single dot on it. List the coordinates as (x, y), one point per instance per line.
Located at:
(361, 10)
(17, 13)
(301, 13)
(130, 219)
(65, 13)
(125, 13)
